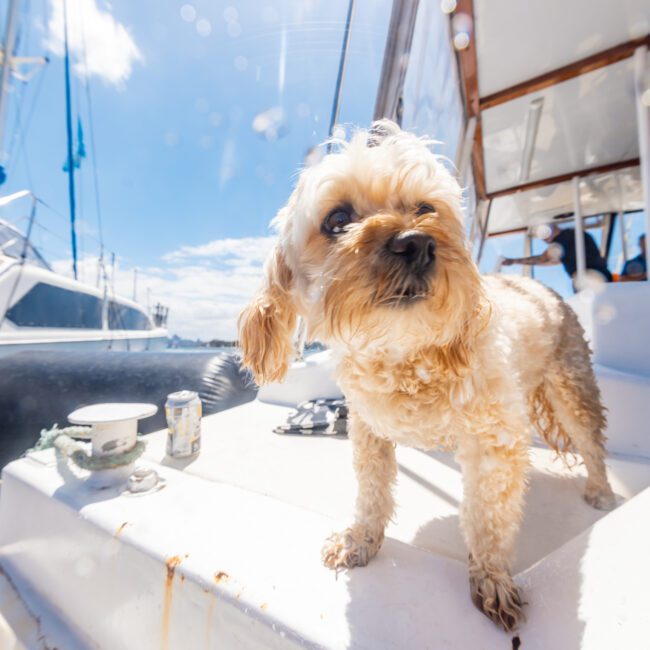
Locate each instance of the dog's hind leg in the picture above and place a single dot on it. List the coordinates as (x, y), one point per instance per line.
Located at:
(574, 397)
(570, 399)
(376, 470)
(494, 462)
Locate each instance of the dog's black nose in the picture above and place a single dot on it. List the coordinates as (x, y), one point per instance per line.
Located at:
(415, 248)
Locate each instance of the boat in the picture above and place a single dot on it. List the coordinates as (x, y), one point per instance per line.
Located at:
(44, 310)
(41, 309)
(223, 550)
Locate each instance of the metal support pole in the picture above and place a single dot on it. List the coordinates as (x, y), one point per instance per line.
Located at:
(643, 125)
(483, 213)
(465, 150)
(621, 225)
(580, 236)
(396, 56)
(526, 269)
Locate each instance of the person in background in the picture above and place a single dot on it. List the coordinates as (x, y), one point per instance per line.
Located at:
(636, 268)
(562, 250)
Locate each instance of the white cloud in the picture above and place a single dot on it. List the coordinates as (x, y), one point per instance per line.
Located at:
(249, 250)
(110, 50)
(205, 286)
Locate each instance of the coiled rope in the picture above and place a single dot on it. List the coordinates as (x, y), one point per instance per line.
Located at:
(63, 441)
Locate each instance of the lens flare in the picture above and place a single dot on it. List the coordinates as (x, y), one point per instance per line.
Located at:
(231, 15)
(271, 124)
(241, 63)
(188, 13)
(448, 6)
(645, 98)
(461, 41)
(591, 282)
(605, 313)
(203, 27)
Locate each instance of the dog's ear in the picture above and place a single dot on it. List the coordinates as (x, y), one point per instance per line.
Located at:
(267, 325)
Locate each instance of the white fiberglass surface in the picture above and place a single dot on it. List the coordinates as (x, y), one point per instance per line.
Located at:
(517, 41)
(315, 473)
(205, 564)
(585, 122)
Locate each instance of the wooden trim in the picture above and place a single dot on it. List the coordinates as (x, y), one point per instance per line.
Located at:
(564, 219)
(575, 69)
(469, 79)
(554, 180)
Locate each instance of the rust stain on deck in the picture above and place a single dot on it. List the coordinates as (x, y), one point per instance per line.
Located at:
(120, 530)
(170, 564)
(209, 616)
(264, 606)
(221, 576)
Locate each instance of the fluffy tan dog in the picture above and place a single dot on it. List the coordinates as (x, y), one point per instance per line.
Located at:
(372, 254)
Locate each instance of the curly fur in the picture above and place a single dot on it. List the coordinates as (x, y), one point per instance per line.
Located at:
(474, 365)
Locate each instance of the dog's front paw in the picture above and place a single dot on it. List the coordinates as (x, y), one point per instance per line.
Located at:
(600, 498)
(355, 546)
(498, 598)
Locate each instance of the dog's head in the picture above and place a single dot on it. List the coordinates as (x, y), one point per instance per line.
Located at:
(371, 253)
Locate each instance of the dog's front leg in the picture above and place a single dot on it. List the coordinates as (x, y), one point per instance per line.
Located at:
(376, 469)
(494, 481)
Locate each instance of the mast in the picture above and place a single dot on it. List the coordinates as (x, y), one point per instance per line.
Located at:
(393, 70)
(5, 78)
(336, 103)
(68, 118)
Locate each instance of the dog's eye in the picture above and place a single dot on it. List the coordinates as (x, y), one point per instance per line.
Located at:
(425, 208)
(336, 221)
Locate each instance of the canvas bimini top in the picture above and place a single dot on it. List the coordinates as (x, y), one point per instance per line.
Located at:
(554, 91)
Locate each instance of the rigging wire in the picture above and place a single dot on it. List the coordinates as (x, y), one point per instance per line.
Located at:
(93, 151)
(19, 100)
(336, 103)
(23, 128)
(23, 258)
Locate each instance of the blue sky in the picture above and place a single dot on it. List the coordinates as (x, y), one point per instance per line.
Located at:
(175, 88)
(187, 185)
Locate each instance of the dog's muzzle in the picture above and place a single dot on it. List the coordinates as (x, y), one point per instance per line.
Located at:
(415, 249)
(412, 254)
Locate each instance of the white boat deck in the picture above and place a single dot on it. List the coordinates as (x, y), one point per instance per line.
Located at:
(315, 473)
(228, 553)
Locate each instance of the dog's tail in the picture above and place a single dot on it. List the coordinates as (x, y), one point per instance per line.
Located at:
(543, 417)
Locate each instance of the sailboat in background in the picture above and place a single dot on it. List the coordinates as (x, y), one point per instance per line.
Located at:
(41, 309)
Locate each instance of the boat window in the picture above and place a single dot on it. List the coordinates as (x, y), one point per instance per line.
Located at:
(123, 317)
(45, 305)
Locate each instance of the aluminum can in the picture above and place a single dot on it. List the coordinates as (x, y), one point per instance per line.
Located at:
(183, 410)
